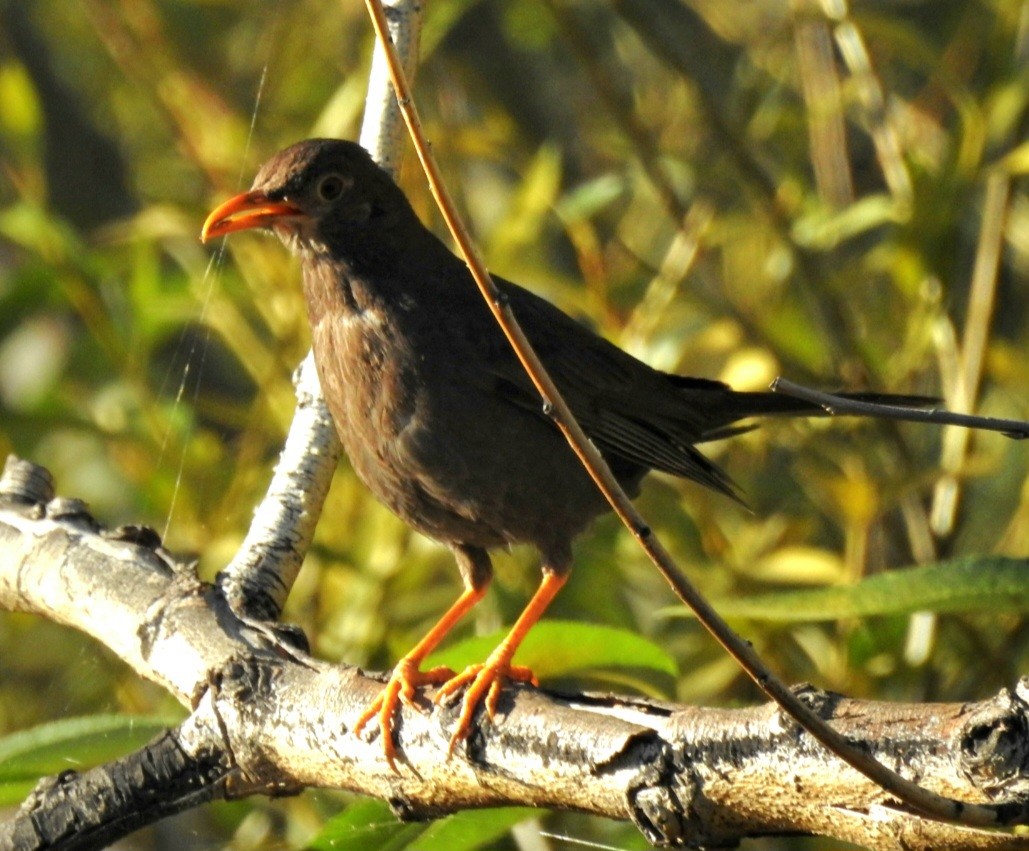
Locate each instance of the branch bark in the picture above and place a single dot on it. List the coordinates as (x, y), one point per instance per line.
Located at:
(268, 719)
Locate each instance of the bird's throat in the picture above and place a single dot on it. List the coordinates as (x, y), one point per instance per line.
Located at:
(329, 289)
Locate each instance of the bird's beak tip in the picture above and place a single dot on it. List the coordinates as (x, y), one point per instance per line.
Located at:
(245, 211)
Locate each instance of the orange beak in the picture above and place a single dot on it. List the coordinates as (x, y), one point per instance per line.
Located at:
(249, 210)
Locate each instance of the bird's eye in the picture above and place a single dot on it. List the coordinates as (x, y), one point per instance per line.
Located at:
(330, 187)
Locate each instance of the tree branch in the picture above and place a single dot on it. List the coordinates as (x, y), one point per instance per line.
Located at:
(268, 719)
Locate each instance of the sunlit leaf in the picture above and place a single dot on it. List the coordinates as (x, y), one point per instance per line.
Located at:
(72, 743)
(588, 199)
(557, 648)
(366, 825)
(824, 228)
(472, 829)
(370, 826)
(20, 116)
(976, 584)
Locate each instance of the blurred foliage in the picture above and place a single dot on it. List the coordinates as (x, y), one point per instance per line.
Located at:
(725, 188)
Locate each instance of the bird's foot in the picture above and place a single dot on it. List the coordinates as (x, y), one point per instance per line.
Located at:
(401, 688)
(485, 683)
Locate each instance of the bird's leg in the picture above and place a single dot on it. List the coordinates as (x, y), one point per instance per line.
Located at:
(486, 681)
(476, 572)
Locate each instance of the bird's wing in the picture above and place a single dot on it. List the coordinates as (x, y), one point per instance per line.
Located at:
(632, 412)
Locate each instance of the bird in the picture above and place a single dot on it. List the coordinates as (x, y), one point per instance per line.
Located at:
(439, 419)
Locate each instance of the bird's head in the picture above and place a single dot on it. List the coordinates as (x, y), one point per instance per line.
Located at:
(320, 195)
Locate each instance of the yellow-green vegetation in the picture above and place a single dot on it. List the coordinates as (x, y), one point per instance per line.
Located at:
(727, 189)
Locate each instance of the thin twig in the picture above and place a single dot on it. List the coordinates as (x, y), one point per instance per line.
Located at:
(981, 301)
(923, 800)
(820, 85)
(842, 406)
(872, 98)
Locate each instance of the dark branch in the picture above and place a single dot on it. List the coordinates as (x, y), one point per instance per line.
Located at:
(839, 405)
(87, 811)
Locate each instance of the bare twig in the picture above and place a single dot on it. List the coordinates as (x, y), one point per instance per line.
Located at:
(820, 84)
(839, 405)
(973, 345)
(929, 803)
(873, 100)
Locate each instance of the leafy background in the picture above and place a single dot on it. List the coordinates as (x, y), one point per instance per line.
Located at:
(726, 188)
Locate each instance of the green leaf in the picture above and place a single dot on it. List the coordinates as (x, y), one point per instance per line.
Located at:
(974, 584)
(370, 826)
(825, 228)
(73, 743)
(557, 648)
(588, 199)
(472, 829)
(21, 117)
(366, 825)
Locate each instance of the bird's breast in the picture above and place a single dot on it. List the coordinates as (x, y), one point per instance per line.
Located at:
(364, 377)
(350, 340)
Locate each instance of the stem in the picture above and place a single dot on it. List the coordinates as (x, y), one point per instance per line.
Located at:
(842, 406)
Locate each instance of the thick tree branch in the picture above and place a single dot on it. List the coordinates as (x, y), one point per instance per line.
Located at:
(267, 719)
(81, 812)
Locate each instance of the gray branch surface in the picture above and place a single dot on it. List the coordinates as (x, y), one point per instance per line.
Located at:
(268, 719)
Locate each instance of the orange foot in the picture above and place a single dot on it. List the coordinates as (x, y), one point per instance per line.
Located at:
(401, 687)
(485, 681)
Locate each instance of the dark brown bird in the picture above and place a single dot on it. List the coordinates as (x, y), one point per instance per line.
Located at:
(437, 416)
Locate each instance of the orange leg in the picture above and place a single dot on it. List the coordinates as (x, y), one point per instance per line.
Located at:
(406, 677)
(486, 681)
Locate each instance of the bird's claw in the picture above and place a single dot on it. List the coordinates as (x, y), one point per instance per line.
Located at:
(485, 684)
(401, 688)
